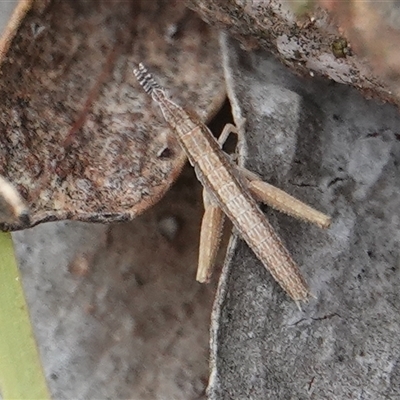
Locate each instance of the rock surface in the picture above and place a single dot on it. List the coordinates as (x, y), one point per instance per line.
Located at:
(116, 309)
(327, 145)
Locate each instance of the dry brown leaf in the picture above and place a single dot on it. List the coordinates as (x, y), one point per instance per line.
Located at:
(79, 138)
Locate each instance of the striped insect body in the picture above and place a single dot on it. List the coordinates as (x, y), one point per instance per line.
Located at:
(228, 190)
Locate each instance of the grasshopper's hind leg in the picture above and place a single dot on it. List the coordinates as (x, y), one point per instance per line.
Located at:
(211, 225)
(274, 197)
(213, 219)
(282, 201)
(210, 236)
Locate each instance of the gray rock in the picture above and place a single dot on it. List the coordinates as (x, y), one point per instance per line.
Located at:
(327, 145)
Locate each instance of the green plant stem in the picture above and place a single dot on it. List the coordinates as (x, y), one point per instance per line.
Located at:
(21, 373)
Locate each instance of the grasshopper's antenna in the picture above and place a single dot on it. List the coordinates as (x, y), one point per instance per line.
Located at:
(146, 80)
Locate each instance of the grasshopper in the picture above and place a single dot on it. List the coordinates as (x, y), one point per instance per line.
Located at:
(229, 190)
